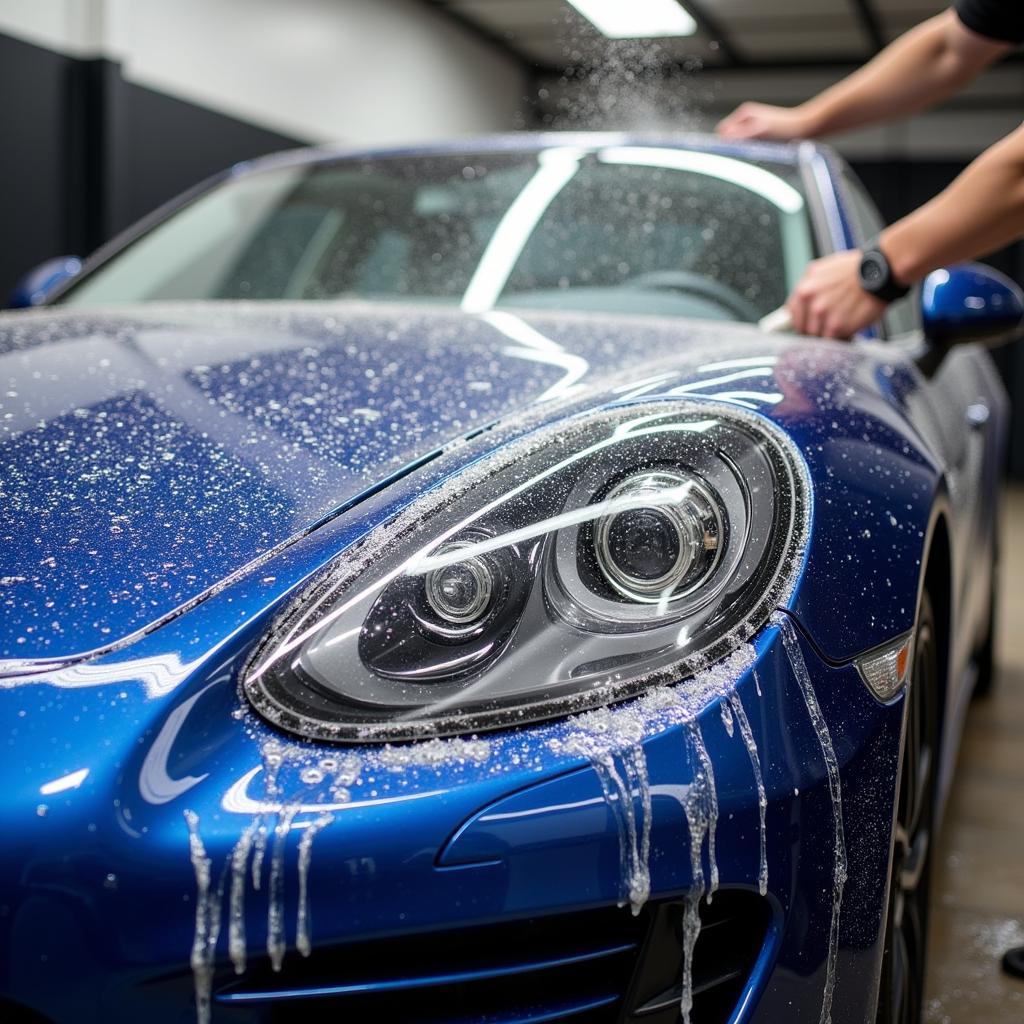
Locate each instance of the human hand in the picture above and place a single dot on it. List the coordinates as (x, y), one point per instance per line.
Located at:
(829, 301)
(761, 121)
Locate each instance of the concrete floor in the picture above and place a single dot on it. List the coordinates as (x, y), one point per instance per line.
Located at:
(978, 885)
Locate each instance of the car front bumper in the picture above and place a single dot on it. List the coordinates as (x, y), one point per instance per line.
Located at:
(484, 880)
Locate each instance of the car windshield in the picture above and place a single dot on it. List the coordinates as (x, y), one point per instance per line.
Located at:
(616, 229)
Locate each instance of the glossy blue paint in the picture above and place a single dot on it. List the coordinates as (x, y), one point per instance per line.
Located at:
(414, 980)
(971, 302)
(175, 475)
(40, 283)
(199, 441)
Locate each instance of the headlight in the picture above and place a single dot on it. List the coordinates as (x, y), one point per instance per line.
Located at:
(578, 566)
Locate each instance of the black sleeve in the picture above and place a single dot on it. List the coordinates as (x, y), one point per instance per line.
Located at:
(996, 19)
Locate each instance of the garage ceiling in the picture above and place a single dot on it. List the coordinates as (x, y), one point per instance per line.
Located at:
(550, 35)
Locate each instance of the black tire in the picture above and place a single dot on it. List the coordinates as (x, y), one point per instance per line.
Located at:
(901, 992)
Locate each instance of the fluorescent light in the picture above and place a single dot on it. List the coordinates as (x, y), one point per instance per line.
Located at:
(637, 19)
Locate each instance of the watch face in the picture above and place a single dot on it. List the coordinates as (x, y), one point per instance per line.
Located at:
(872, 272)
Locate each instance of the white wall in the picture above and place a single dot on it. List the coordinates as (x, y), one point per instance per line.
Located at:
(352, 71)
(72, 27)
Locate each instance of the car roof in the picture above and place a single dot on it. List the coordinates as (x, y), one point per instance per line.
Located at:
(790, 153)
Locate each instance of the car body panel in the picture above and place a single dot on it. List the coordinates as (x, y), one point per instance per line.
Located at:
(407, 847)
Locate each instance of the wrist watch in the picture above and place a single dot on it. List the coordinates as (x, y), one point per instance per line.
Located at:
(876, 277)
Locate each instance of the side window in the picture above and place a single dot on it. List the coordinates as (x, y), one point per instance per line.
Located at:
(901, 317)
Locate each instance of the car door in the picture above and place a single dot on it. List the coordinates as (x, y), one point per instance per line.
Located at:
(953, 411)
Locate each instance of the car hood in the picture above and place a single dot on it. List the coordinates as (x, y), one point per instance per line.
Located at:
(150, 454)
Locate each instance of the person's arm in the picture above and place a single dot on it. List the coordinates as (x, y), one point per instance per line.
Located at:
(981, 211)
(923, 67)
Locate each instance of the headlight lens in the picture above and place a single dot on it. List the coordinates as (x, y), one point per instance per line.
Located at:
(576, 567)
(654, 549)
(460, 593)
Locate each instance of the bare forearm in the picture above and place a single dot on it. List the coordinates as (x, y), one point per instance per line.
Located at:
(921, 68)
(981, 211)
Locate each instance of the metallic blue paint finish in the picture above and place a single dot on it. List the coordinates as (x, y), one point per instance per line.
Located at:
(174, 475)
(971, 302)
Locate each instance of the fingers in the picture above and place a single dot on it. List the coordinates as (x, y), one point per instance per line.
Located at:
(818, 318)
(742, 123)
(828, 301)
(798, 309)
(761, 121)
(729, 127)
(801, 302)
(835, 329)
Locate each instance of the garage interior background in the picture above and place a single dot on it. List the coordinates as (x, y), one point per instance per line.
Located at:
(111, 107)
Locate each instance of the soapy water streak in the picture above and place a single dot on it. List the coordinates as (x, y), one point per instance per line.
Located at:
(612, 740)
(697, 807)
(803, 678)
(276, 942)
(600, 762)
(323, 790)
(726, 712)
(273, 757)
(634, 844)
(603, 735)
(273, 821)
(762, 800)
(207, 931)
(636, 760)
(236, 904)
(303, 942)
(707, 771)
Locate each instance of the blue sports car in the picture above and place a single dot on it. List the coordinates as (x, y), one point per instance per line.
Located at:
(429, 596)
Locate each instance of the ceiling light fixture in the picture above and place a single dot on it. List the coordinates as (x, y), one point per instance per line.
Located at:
(637, 19)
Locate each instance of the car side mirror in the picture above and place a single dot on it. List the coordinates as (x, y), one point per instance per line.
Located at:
(971, 302)
(43, 281)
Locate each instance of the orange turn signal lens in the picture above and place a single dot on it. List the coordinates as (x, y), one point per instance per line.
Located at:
(886, 669)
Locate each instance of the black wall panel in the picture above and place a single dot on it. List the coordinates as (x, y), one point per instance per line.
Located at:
(162, 146)
(86, 153)
(35, 166)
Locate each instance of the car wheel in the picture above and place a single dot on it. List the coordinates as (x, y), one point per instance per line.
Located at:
(901, 992)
